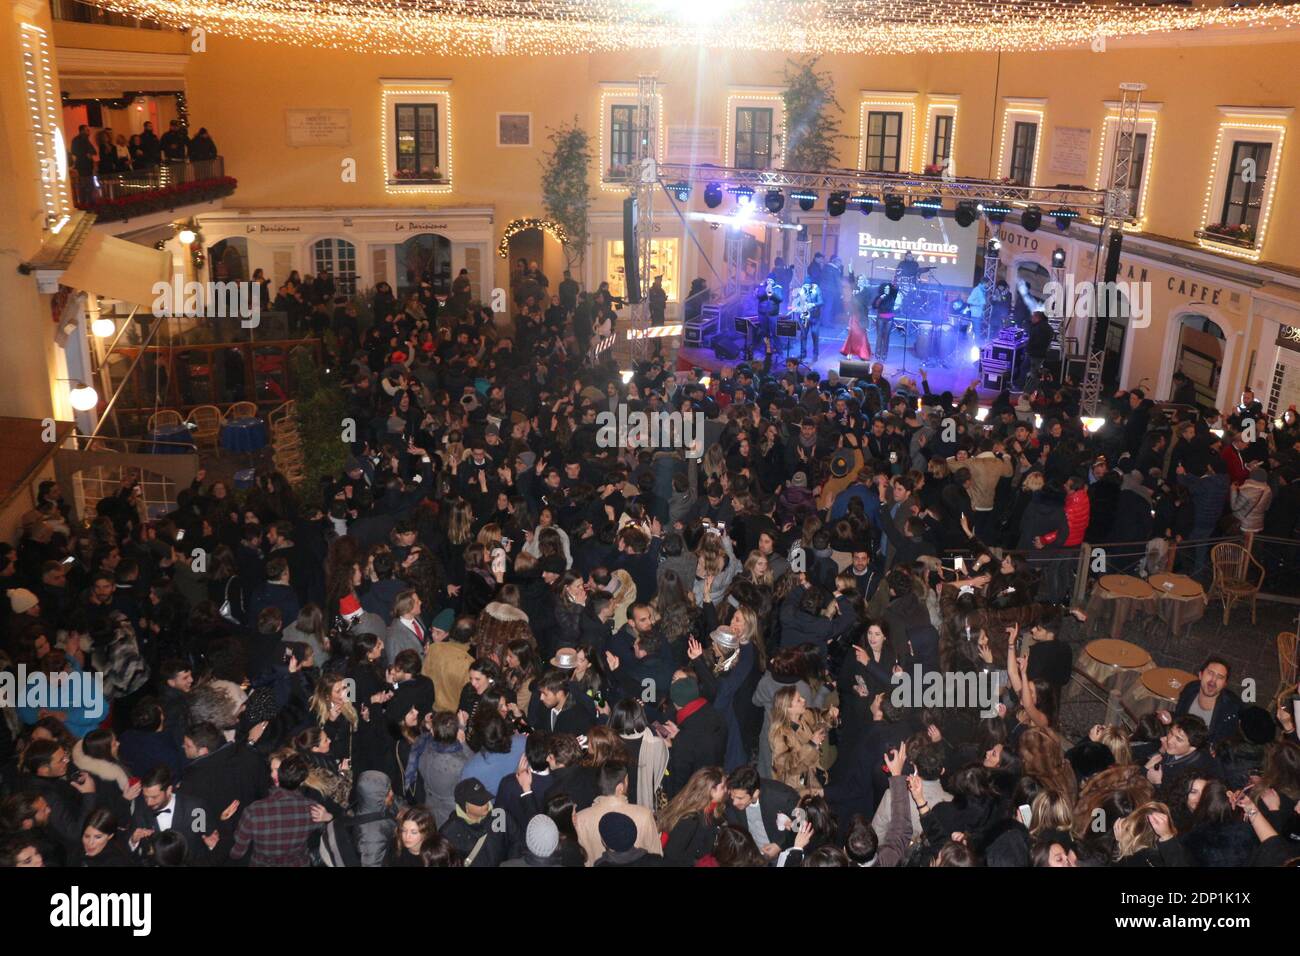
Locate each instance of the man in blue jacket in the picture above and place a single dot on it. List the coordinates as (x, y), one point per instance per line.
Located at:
(1209, 698)
(1209, 497)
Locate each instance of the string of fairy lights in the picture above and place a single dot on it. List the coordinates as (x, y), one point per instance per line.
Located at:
(556, 27)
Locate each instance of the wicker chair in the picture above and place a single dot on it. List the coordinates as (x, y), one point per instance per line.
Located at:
(242, 410)
(207, 420)
(1237, 577)
(1287, 671)
(163, 418)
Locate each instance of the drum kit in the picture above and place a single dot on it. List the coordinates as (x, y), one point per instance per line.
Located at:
(921, 318)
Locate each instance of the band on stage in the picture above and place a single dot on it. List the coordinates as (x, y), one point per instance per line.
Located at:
(909, 309)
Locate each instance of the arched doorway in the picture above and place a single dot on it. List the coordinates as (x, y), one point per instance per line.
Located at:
(1199, 354)
(424, 257)
(229, 260)
(524, 248)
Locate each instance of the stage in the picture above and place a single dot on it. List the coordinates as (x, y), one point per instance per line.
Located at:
(955, 376)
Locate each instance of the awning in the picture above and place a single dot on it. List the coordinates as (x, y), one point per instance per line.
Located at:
(116, 269)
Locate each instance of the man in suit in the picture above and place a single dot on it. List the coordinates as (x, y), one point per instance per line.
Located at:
(407, 632)
(305, 570)
(697, 731)
(533, 779)
(223, 772)
(161, 806)
(764, 808)
(560, 713)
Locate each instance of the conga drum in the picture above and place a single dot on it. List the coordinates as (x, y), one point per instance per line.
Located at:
(922, 341)
(1157, 689)
(1117, 600)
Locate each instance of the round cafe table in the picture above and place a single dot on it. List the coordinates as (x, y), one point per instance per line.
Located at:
(171, 440)
(1117, 600)
(1158, 689)
(1114, 664)
(1180, 600)
(243, 435)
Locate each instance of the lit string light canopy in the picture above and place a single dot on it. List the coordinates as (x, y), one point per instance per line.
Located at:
(542, 27)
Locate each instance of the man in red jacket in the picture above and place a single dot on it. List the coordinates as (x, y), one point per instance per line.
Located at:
(1233, 446)
(1078, 509)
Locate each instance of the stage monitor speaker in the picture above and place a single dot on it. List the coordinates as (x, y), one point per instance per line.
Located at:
(1113, 249)
(727, 347)
(855, 369)
(631, 267)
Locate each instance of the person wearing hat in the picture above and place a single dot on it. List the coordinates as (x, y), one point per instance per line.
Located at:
(612, 785)
(23, 603)
(358, 620)
(447, 658)
(618, 835)
(541, 844)
(483, 838)
(698, 733)
(1250, 501)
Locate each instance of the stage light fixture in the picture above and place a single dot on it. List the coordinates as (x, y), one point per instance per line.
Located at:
(995, 211)
(965, 214)
(993, 247)
(682, 191)
(744, 195)
(1058, 258)
(1031, 219)
(1064, 217)
(836, 203)
(713, 195)
(894, 208)
(930, 206)
(774, 201)
(974, 354)
(864, 203)
(805, 198)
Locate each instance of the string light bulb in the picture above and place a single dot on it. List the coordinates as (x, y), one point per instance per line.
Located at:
(557, 27)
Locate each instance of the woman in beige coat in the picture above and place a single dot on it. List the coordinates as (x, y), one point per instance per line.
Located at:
(797, 735)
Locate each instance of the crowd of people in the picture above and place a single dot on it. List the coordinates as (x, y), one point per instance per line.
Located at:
(495, 640)
(105, 154)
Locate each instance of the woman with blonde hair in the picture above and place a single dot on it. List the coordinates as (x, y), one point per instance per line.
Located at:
(331, 706)
(489, 536)
(796, 737)
(716, 564)
(689, 823)
(1146, 838)
(1050, 811)
(604, 746)
(758, 570)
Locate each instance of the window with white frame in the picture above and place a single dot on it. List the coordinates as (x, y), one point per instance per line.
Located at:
(755, 129)
(416, 136)
(884, 141)
(941, 145)
(1243, 180)
(1139, 163)
(618, 124)
(753, 137)
(885, 132)
(1021, 142)
(622, 140)
(340, 257)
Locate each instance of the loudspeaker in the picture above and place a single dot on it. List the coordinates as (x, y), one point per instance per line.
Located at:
(727, 347)
(855, 369)
(787, 328)
(994, 380)
(1113, 249)
(631, 265)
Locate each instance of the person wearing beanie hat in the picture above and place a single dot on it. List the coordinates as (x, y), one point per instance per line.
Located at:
(23, 601)
(699, 733)
(618, 834)
(541, 844)
(611, 781)
(1250, 500)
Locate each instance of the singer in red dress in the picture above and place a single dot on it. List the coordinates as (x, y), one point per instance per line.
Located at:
(856, 344)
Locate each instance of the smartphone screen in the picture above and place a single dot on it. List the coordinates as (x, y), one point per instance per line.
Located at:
(180, 534)
(959, 564)
(1024, 813)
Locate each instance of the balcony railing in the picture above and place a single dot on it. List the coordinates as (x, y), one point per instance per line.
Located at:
(72, 11)
(157, 188)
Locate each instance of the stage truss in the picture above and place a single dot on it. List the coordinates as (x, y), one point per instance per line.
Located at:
(1108, 207)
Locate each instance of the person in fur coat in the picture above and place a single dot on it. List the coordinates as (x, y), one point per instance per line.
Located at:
(96, 754)
(797, 735)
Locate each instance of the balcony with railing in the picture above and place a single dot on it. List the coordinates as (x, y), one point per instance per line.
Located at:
(162, 188)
